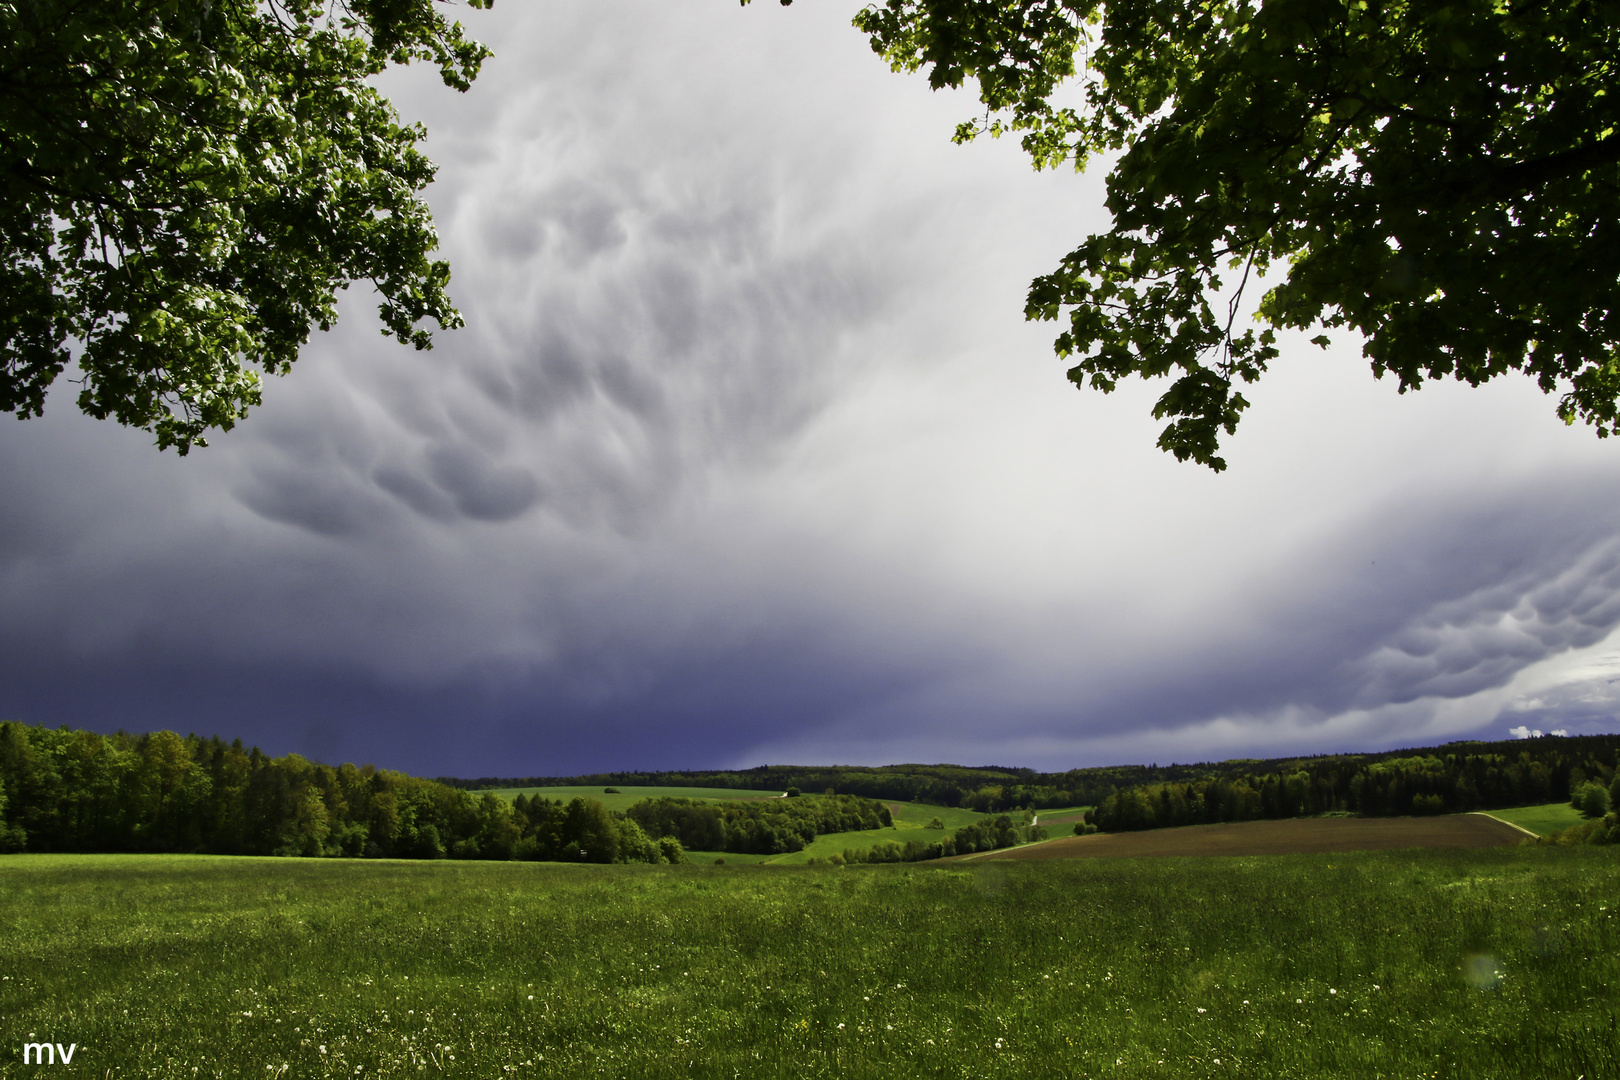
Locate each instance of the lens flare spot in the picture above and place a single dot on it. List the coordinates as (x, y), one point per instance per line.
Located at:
(1481, 971)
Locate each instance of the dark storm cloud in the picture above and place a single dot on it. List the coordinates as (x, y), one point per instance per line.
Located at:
(1418, 623)
(321, 499)
(692, 712)
(481, 488)
(1480, 641)
(1440, 598)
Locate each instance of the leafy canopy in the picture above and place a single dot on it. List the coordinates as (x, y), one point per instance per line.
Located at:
(187, 183)
(1442, 176)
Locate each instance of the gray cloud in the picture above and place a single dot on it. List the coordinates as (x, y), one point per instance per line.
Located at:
(645, 304)
(480, 488)
(1480, 641)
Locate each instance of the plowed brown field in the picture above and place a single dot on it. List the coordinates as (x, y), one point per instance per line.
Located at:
(1287, 837)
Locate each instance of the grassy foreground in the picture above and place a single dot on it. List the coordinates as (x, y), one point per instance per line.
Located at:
(1436, 964)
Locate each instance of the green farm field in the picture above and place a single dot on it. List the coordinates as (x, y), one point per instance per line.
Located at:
(1062, 819)
(910, 823)
(1541, 820)
(1500, 963)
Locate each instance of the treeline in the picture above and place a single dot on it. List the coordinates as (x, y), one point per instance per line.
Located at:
(1453, 779)
(66, 790)
(990, 834)
(942, 785)
(998, 790)
(987, 790)
(583, 830)
(756, 826)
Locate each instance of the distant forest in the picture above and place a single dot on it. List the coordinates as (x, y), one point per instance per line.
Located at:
(1455, 778)
(985, 789)
(757, 826)
(68, 790)
(1460, 775)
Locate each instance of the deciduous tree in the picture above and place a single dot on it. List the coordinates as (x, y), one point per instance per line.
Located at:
(188, 184)
(1440, 177)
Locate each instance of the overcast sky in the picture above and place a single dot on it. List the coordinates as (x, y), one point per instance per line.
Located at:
(747, 456)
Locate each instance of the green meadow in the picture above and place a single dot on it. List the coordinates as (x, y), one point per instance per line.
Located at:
(1503, 963)
(1541, 820)
(1063, 819)
(910, 823)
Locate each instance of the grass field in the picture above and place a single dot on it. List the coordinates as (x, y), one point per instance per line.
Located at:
(730, 858)
(917, 815)
(1288, 836)
(1446, 965)
(1541, 820)
(629, 796)
(1062, 819)
(910, 823)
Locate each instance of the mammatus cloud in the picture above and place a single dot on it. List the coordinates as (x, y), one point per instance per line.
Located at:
(1480, 641)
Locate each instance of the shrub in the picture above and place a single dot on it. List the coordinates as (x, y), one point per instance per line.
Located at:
(1592, 800)
(635, 845)
(1428, 804)
(1605, 830)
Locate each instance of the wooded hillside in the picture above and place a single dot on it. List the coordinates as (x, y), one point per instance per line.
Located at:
(1465, 775)
(67, 790)
(1450, 779)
